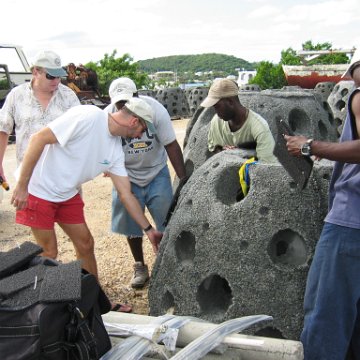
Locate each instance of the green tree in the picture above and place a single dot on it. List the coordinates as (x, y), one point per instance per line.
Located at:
(269, 76)
(290, 57)
(110, 68)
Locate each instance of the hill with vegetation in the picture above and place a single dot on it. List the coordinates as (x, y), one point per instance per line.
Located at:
(226, 64)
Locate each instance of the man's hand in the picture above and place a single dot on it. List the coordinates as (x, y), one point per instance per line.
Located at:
(155, 237)
(229, 147)
(294, 144)
(19, 198)
(2, 172)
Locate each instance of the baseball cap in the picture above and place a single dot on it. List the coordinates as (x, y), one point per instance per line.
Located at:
(355, 60)
(221, 88)
(143, 110)
(121, 89)
(51, 62)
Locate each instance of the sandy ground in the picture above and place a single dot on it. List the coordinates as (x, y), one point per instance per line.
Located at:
(114, 259)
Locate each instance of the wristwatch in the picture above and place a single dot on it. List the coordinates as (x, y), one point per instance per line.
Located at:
(306, 148)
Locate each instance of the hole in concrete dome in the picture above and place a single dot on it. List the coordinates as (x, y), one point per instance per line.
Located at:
(340, 105)
(270, 332)
(344, 92)
(228, 185)
(168, 303)
(244, 245)
(215, 165)
(326, 176)
(331, 118)
(338, 122)
(287, 248)
(214, 296)
(189, 202)
(322, 129)
(264, 210)
(299, 121)
(206, 226)
(189, 167)
(185, 247)
(292, 185)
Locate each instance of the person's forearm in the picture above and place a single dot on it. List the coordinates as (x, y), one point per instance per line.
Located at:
(347, 151)
(31, 157)
(4, 137)
(134, 209)
(176, 158)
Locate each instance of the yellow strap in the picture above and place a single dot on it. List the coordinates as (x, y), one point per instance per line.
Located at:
(242, 175)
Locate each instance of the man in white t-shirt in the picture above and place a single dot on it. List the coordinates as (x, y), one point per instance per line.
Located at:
(234, 125)
(73, 149)
(146, 163)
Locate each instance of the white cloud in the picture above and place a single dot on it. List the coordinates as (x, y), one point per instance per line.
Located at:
(254, 30)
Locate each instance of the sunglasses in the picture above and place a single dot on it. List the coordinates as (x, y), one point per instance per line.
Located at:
(50, 77)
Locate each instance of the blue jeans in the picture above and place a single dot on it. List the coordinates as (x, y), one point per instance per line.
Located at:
(156, 196)
(331, 305)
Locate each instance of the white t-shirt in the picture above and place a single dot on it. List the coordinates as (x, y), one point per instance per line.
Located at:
(145, 157)
(84, 150)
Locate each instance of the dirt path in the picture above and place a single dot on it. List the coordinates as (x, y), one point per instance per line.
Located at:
(113, 255)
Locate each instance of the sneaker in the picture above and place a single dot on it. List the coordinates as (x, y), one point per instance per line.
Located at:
(141, 275)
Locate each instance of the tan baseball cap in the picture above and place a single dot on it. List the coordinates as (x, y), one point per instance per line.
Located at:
(221, 88)
(143, 110)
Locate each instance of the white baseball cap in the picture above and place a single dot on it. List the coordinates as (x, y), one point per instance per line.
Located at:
(51, 62)
(143, 110)
(121, 89)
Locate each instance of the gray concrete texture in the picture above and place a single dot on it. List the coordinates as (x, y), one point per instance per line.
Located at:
(337, 102)
(221, 258)
(175, 102)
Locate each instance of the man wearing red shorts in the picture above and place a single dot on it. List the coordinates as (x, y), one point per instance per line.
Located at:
(73, 149)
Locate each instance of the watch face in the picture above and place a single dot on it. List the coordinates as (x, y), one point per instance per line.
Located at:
(305, 149)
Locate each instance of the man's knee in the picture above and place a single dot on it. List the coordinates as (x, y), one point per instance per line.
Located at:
(85, 245)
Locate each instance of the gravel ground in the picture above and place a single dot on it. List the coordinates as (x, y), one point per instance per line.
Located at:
(114, 258)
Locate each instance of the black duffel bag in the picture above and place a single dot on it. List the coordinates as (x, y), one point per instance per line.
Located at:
(49, 311)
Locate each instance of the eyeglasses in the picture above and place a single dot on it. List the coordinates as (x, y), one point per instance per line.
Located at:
(143, 124)
(50, 77)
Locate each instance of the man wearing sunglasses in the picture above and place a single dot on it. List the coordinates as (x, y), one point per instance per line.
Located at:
(32, 105)
(71, 150)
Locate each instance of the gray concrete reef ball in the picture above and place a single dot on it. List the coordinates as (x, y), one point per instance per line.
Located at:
(220, 258)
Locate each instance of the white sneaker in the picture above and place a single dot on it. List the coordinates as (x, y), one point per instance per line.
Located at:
(141, 275)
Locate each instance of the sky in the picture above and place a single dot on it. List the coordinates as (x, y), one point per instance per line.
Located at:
(254, 30)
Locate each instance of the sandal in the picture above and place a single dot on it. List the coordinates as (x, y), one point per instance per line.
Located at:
(125, 308)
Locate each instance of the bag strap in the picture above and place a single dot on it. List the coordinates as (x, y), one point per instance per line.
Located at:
(87, 335)
(19, 331)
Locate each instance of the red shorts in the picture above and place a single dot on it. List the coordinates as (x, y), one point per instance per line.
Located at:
(42, 214)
